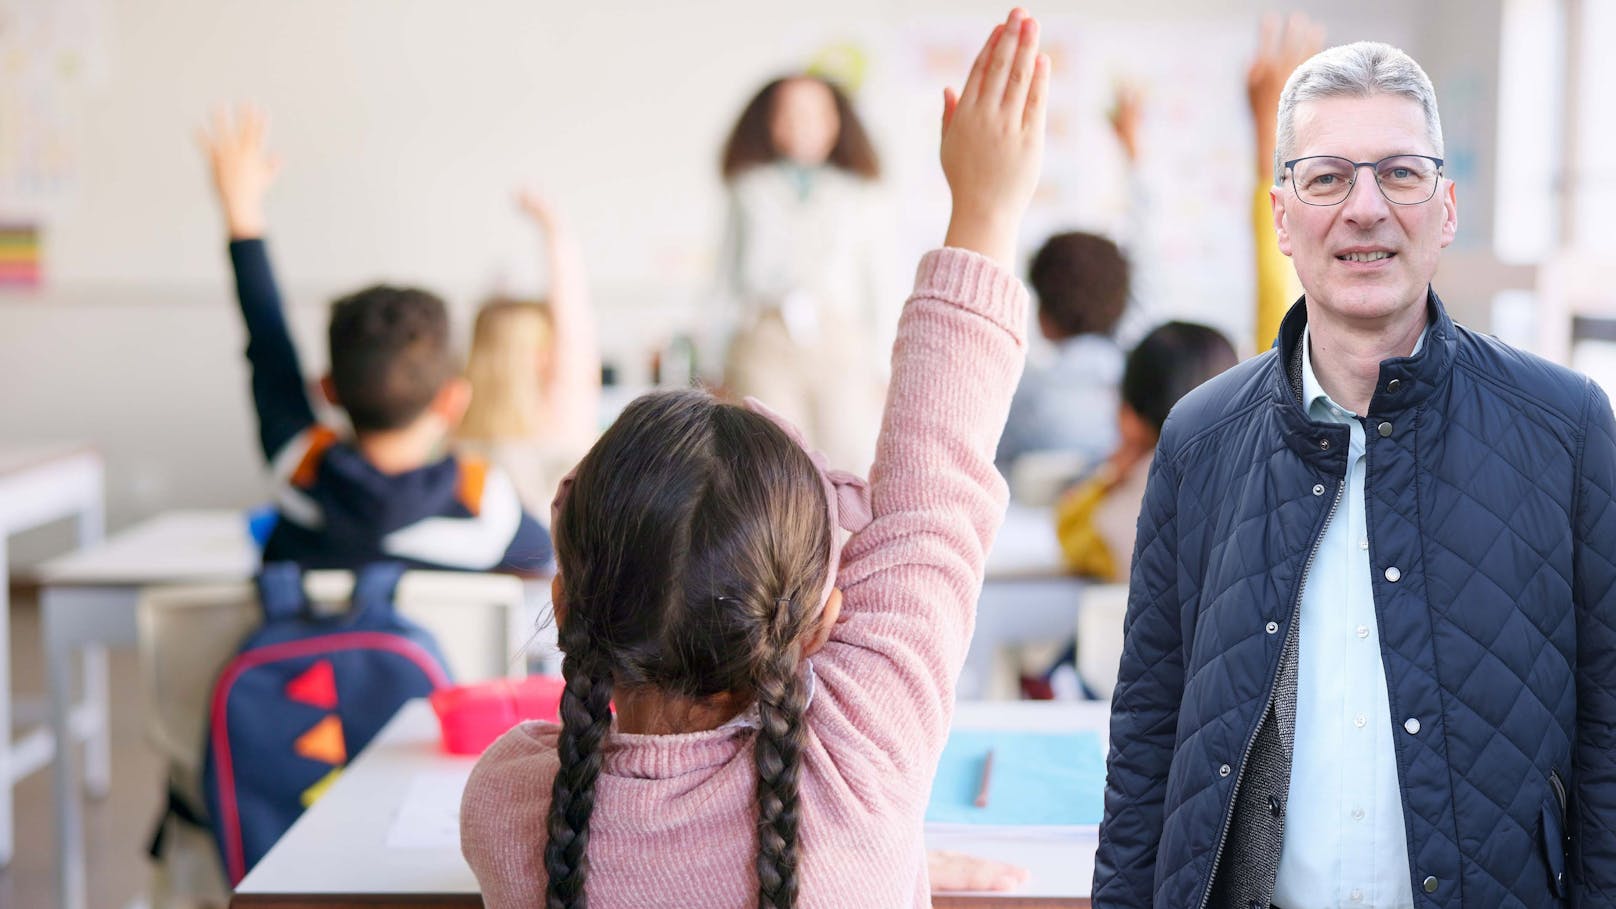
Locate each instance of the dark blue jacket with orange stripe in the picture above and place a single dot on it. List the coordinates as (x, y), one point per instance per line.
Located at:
(1489, 486)
(339, 511)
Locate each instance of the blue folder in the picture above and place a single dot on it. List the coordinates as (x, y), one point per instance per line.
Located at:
(1037, 779)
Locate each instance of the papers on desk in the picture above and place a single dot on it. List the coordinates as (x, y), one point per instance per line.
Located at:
(1036, 779)
(429, 817)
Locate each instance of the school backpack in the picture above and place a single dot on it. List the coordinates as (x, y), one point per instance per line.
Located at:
(303, 694)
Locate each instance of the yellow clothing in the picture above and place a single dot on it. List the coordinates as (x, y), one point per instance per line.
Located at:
(1082, 545)
(1277, 286)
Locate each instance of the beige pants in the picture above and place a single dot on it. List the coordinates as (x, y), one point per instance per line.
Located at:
(829, 388)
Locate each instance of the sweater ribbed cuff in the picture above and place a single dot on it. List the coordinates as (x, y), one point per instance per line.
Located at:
(975, 282)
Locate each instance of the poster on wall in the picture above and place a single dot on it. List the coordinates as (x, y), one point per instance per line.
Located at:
(52, 54)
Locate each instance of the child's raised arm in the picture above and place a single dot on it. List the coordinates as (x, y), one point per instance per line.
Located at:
(243, 171)
(911, 578)
(571, 390)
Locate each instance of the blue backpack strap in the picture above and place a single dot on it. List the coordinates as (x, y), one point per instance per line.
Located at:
(374, 586)
(280, 591)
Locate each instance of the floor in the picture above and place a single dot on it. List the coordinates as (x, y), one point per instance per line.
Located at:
(116, 827)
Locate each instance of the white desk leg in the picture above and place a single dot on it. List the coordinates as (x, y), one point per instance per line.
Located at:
(7, 837)
(98, 743)
(69, 813)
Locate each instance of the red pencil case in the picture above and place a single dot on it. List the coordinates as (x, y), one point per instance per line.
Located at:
(473, 716)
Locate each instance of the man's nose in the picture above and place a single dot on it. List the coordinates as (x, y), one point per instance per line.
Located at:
(1365, 205)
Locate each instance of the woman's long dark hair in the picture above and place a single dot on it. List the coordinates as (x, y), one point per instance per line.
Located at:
(751, 143)
(692, 548)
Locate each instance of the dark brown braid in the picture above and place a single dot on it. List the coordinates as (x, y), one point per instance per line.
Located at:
(781, 697)
(692, 549)
(585, 719)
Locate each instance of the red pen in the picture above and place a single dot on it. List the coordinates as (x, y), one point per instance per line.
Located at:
(987, 774)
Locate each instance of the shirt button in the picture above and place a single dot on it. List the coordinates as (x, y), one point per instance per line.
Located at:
(1360, 720)
(1223, 770)
(1271, 627)
(1394, 384)
(1318, 489)
(1412, 725)
(1393, 575)
(1385, 429)
(1356, 895)
(1429, 884)
(1357, 814)
(1363, 543)
(1363, 631)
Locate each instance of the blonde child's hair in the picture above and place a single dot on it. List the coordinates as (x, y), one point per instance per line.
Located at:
(507, 343)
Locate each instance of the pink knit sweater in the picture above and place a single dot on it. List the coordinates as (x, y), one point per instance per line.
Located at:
(674, 820)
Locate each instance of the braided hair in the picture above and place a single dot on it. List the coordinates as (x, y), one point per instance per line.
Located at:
(692, 553)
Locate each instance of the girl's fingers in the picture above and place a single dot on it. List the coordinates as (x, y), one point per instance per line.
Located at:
(1019, 79)
(973, 82)
(998, 68)
(1033, 117)
(950, 101)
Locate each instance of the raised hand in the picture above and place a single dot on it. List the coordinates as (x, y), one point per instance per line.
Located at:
(993, 139)
(1281, 47)
(537, 206)
(243, 169)
(1124, 117)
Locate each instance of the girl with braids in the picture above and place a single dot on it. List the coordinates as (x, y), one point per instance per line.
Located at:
(781, 641)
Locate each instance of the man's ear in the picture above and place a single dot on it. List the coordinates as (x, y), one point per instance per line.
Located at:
(1276, 198)
(557, 606)
(328, 388)
(827, 623)
(451, 401)
(1450, 214)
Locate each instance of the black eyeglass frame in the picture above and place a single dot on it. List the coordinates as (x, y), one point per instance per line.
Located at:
(1374, 168)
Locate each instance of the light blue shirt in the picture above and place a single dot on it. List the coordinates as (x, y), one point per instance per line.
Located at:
(1344, 839)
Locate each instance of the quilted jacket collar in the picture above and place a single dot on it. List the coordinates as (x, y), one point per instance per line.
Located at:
(1417, 377)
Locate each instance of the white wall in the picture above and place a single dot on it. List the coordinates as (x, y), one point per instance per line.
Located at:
(404, 127)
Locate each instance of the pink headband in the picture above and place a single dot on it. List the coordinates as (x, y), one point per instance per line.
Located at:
(847, 495)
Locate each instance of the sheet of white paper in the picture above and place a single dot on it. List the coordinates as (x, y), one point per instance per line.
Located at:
(429, 816)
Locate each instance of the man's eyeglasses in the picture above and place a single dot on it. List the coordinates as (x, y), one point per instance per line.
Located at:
(1327, 179)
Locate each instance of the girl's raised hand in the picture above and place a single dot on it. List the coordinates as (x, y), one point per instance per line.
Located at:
(993, 139)
(243, 169)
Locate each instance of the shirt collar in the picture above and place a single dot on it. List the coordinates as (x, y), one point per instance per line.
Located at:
(1313, 394)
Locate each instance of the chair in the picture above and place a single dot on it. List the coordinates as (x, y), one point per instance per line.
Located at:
(187, 633)
(1099, 636)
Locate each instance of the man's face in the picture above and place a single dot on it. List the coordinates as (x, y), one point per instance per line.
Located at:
(1336, 248)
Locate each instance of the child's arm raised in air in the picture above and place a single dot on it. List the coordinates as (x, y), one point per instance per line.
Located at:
(242, 173)
(571, 390)
(911, 579)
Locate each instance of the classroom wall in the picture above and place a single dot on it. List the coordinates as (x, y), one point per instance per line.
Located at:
(405, 126)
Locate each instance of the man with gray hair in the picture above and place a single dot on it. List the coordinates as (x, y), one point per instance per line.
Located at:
(1370, 651)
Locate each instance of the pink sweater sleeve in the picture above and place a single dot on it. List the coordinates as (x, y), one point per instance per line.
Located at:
(911, 579)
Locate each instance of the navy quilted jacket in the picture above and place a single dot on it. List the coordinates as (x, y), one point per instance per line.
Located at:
(1490, 477)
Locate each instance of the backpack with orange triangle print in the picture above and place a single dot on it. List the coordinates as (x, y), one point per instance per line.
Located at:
(303, 694)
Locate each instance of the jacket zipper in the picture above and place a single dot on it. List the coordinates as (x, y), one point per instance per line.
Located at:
(1558, 786)
(1240, 769)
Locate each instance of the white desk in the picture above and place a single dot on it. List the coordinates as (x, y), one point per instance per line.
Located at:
(337, 853)
(1027, 596)
(87, 603)
(38, 484)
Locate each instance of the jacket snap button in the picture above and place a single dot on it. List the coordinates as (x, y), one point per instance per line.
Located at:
(1429, 884)
(1385, 429)
(1412, 725)
(1224, 770)
(1393, 575)
(1394, 384)
(1324, 444)
(1271, 627)
(1318, 489)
